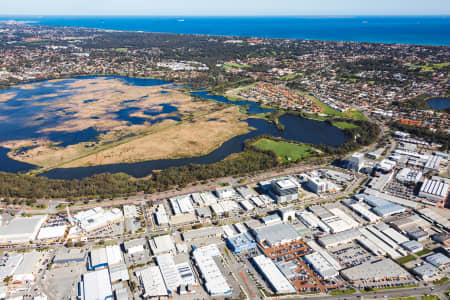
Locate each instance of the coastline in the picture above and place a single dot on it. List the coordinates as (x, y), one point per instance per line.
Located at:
(407, 30)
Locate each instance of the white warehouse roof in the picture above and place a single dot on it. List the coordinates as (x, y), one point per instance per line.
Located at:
(162, 244)
(96, 285)
(21, 229)
(270, 271)
(152, 282)
(54, 232)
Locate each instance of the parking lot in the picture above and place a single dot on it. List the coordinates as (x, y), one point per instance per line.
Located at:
(350, 255)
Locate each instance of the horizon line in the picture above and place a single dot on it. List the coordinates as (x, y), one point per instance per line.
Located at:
(225, 15)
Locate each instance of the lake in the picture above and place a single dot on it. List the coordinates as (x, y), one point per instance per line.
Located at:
(22, 121)
(296, 129)
(439, 103)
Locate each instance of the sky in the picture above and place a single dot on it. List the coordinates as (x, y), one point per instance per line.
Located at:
(227, 7)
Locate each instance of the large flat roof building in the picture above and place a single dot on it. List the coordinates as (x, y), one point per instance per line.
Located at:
(425, 271)
(377, 270)
(205, 232)
(438, 260)
(434, 190)
(279, 283)
(21, 229)
(343, 237)
(162, 244)
(284, 190)
(321, 265)
(215, 282)
(241, 242)
(96, 218)
(169, 271)
(96, 285)
(152, 282)
(277, 234)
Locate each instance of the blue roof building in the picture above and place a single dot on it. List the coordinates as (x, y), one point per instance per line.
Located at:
(241, 242)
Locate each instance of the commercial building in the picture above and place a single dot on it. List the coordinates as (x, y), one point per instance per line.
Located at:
(312, 221)
(53, 232)
(317, 185)
(271, 219)
(181, 205)
(412, 246)
(364, 212)
(376, 270)
(225, 193)
(246, 192)
(438, 260)
(438, 216)
(417, 233)
(275, 235)
(356, 162)
(410, 221)
(21, 229)
(215, 282)
(224, 206)
(98, 258)
(287, 214)
(135, 246)
(114, 255)
(433, 163)
(380, 206)
(321, 265)
(186, 274)
(434, 190)
(119, 272)
(162, 244)
(375, 237)
(169, 271)
(205, 232)
(279, 283)
(152, 282)
(161, 217)
(96, 218)
(284, 190)
(241, 242)
(96, 285)
(182, 219)
(426, 271)
(443, 238)
(385, 166)
(204, 212)
(246, 205)
(130, 211)
(330, 259)
(344, 237)
(407, 175)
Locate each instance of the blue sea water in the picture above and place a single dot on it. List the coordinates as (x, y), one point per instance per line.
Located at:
(421, 30)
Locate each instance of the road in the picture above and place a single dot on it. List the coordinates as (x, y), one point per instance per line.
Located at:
(394, 293)
(234, 181)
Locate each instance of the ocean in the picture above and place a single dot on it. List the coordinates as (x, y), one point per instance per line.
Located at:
(420, 30)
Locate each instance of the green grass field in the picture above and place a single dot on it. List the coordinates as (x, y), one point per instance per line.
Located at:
(234, 65)
(434, 67)
(352, 114)
(285, 150)
(430, 297)
(406, 259)
(343, 292)
(344, 125)
(423, 252)
(404, 298)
